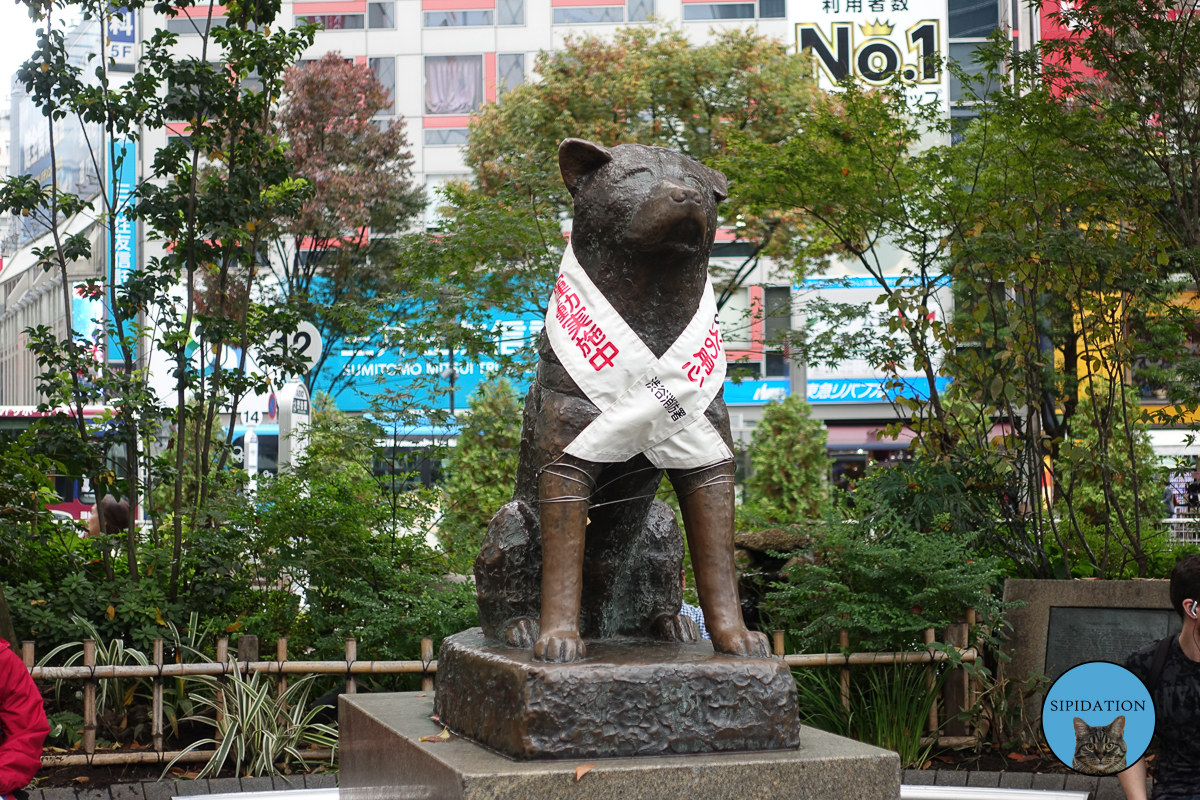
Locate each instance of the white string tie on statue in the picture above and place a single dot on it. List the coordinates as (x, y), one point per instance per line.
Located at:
(647, 405)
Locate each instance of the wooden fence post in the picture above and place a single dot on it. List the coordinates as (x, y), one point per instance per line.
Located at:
(351, 656)
(27, 654)
(956, 691)
(844, 641)
(89, 699)
(777, 636)
(426, 657)
(156, 723)
(247, 648)
(930, 638)
(223, 659)
(281, 657)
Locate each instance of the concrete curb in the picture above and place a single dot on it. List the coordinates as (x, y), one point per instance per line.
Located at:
(165, 790)
(1102, 788)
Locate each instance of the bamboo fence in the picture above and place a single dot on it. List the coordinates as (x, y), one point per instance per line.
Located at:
(91, 673)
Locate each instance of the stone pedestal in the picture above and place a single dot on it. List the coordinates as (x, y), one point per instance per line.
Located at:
(382, 758)
(626, 698)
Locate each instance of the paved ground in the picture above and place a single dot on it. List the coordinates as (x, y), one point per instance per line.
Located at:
(1105, 788)
(165, 790)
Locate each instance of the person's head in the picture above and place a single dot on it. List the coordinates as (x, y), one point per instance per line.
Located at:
(1185, 588)
(116, 515)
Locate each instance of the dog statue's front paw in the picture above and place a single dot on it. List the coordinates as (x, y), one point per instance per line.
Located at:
(740, 642)
(560, 647)
(521, 633)
(676, 628)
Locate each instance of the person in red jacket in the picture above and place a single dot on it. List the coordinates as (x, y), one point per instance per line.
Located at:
(23, 725)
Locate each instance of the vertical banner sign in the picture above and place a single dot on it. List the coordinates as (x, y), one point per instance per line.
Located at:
(873, 40)
(87, 319)
(121, 48)
(123, 175)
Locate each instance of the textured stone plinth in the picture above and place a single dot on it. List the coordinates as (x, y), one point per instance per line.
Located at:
(626, 698)
(382, 758)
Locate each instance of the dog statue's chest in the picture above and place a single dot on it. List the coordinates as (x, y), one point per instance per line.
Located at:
(657, 303)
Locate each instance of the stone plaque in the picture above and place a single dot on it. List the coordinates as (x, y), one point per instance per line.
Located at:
(1078, 635)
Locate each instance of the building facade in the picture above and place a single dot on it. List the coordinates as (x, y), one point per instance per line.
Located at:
(443, 59)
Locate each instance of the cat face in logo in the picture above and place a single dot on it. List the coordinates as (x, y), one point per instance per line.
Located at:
(1099, 749)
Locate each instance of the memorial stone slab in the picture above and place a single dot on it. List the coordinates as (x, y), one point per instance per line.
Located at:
(1078, 635)
(383, 757)
(625, 698)
(1059, 624)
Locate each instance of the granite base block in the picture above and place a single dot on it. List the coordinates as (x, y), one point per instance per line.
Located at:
(383, 758)
(627, 697)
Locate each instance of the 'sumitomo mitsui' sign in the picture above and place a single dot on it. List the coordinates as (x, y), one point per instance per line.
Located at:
(875, 39)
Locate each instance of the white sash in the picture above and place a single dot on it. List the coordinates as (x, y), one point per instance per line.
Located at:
(647, 405)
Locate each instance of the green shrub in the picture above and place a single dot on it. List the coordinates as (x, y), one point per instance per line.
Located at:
(886, 583)
(790, 480)
(482, 469)
(260, 729)
(889, 706)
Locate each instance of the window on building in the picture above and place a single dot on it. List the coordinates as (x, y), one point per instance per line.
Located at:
(456, 19)
(960, 120)
(735, 320)
(510, 71)
(588, 14)
(973, 19)
(703, 11)
(334, 22)
(385, 73)
(195, 26)
(640, 10)
(777, 319)
(970, 23)
(965, 55)
(510, 12)
(772, 9)
(433, 217)
(441, 137)
(453, 84)
(381, 15)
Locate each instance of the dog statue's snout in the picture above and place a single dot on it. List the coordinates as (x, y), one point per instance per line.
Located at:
(681, 193)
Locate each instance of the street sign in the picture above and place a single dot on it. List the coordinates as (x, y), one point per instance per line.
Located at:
(304, 342)
(295, 415)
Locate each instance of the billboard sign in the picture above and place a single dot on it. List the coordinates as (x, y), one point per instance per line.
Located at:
(874, 40)
(87, 319)
(119, 33)
(76, 171)
(370, 370)
(122, 173)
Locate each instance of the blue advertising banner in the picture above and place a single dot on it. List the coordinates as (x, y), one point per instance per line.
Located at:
(123, 255)
(358, 372)
(867, 390)
(355, 373)
(755, 393)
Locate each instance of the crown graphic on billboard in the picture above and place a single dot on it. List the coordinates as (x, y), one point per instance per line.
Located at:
(876, 28)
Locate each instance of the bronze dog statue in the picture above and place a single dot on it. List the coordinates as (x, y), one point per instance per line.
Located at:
(584, 550)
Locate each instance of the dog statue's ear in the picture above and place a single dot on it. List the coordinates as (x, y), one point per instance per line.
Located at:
(720, 186)
(579, 157)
